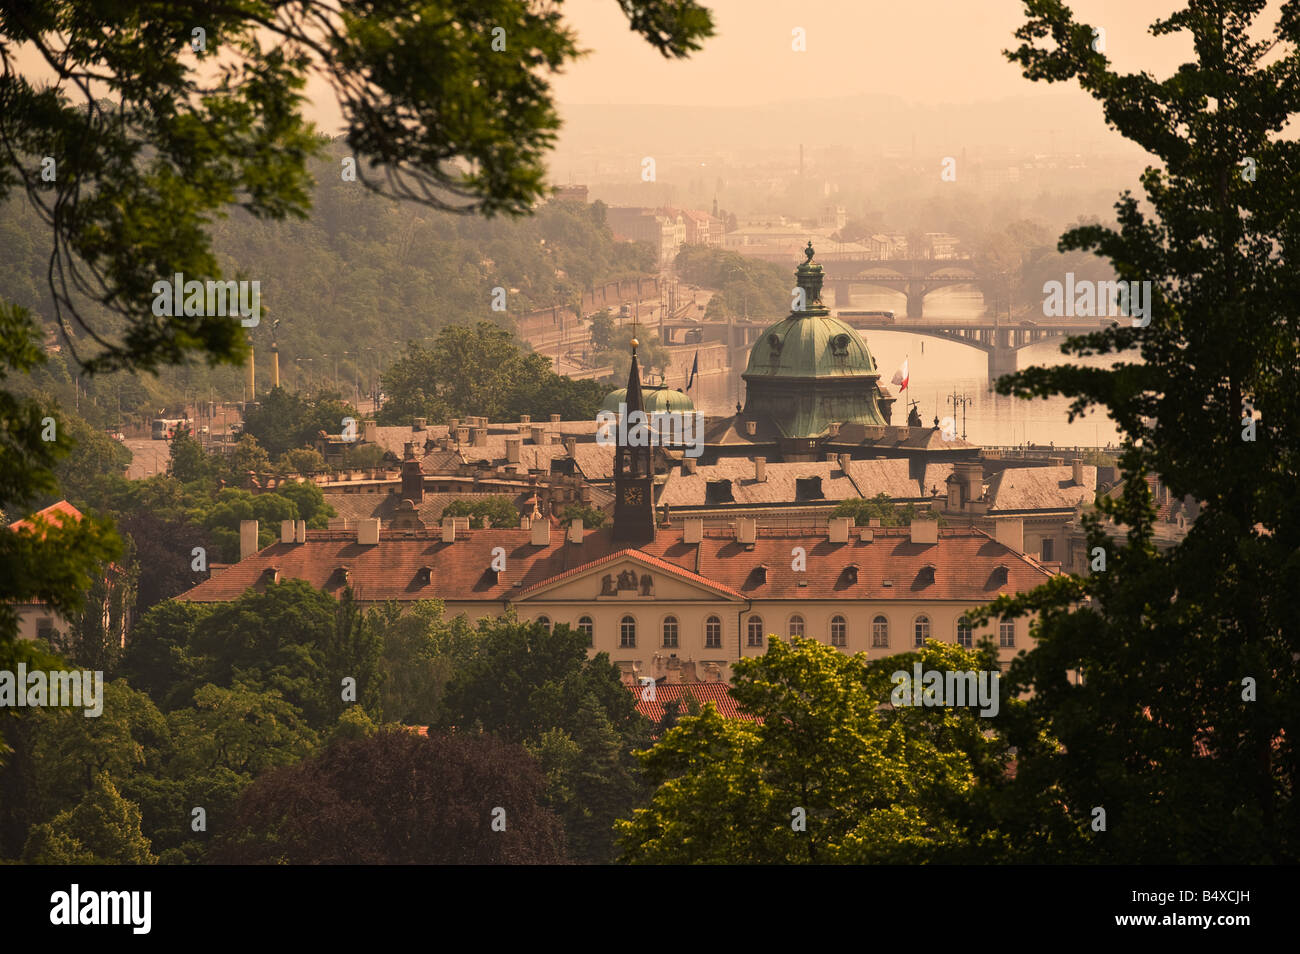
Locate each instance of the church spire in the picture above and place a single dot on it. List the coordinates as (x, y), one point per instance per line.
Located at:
(634, 520)
(635, 402)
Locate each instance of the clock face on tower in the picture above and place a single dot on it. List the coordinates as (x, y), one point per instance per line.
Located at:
(632, 495)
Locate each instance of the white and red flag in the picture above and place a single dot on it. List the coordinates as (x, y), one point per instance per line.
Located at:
(901, 375)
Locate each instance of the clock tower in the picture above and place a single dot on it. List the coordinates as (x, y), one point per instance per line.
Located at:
(634, 513)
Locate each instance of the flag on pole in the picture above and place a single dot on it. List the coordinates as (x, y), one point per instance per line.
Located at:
(695, 369)
(901, 375)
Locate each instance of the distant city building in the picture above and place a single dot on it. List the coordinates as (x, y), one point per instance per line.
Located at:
(571, 193)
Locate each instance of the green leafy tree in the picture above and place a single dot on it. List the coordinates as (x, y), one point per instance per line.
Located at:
(104, 828)
(189, 461)
(302, 460)
(590, 516)
(521, 683)
(247, 457)
(1181, 727)
(881, 507)
(398, 798)
(602, 330)
(831, 775)
(495, 511)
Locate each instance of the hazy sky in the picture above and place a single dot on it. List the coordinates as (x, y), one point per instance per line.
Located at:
(932, 51)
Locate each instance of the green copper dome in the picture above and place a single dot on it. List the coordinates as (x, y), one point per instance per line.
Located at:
(656, 400)
(810, 370)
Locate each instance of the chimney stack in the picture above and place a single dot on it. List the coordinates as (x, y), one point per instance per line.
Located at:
(448, 529)
(524, 418)
(512, 450)
(840, 529)
(688, 465)
(300, 531)
(760, 469)
(1078, 472)
(693, 530)
(1010, 533)
(286, 531)
(420, 423)
(844, 463)
(746, 529)
(369, 432)
(368, 532)
(541, 532)
(924, 531)
(555, 419)
(462, 434)
(751, 428)
(247, 539)
(834, 429)
(537, 434)
(575, 531)
(570, 444)
(480, 436)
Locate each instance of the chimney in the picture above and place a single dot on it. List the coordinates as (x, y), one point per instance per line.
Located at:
(247, 538)
(693, 530)
(537, 434)
(1010, 533)
(369, 432)
(760, 469)
(555, 439)
(462, 434)
(746, 529)
(480, 436)
(419, 423)
(541, 532)
(412, 477)
(300, 531)
(689, 464)
(751, 428)
(570, 444)
(1078, 472)
(448, 529)
(368, 532)
(840, 529)
(286, 531)
(555, 419)
(834, 429)
(575, 531)
(844, 462)
(512, 450)
(525, 419)
(924, 531)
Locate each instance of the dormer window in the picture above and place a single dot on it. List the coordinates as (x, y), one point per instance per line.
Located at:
(718, 491)
(851, 573)
(1000, 575)
(808, 488)
(926, 576)
(760, 573)
(424, 576)
(840, 346)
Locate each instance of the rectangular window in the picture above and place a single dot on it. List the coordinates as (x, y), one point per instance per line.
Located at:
(1049, 549)
(713, 633)
(1007, 633)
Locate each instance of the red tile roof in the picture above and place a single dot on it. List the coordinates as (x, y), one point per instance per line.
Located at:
(889, 566)
(719, 693)
(56, 514)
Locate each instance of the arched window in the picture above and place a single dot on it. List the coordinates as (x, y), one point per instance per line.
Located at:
(588, 629)
(754, 631)
(627, 633)
(922, 630)
(544, 622)
(796, 625)
(879, 632)
(713, 633)
(1007, 632)
(839, 631)
(670, 631)
(965, 637)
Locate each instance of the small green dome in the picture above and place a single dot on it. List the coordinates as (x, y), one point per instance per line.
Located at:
(656, 400)
(613, 399)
